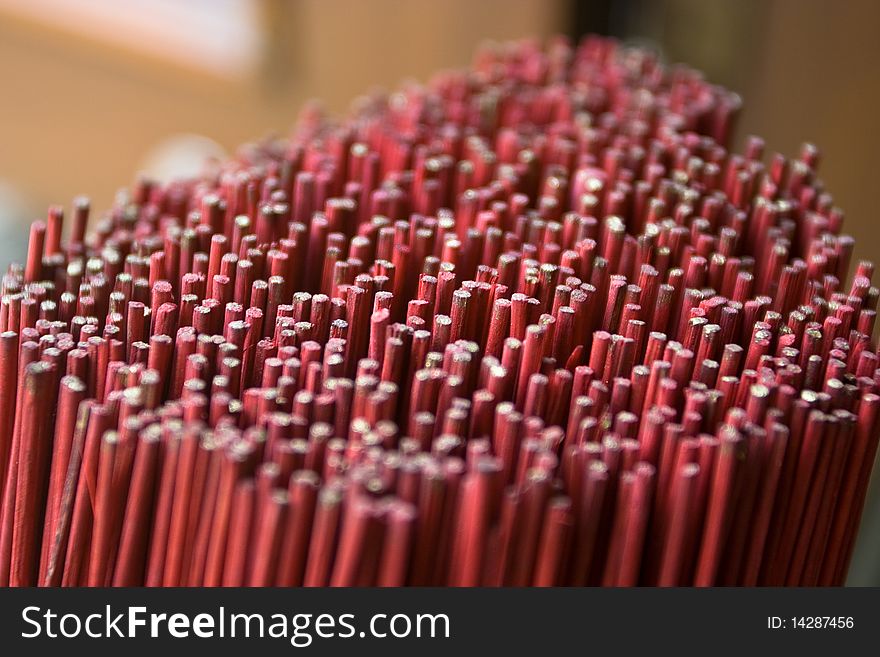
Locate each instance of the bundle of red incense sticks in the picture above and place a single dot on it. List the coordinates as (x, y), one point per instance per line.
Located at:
(530, 324)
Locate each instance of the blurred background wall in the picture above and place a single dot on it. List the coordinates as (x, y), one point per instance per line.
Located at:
(94, 91)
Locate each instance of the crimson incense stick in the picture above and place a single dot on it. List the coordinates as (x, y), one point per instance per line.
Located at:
(531, 324)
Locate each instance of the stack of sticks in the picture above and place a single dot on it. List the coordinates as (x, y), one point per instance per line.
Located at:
(530, 324)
